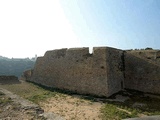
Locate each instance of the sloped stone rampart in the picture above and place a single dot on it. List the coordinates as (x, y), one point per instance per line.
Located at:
(141, 75)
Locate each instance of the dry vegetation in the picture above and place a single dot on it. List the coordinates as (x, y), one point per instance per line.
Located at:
(78, 107)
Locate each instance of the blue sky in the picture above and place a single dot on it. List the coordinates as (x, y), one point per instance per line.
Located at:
(35, 26)
(123, 24)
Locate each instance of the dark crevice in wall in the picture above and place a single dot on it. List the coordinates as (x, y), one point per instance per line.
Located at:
(123, 68)
(102, 67)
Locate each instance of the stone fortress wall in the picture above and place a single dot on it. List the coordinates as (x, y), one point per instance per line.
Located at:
(142, 74)
(104, 72)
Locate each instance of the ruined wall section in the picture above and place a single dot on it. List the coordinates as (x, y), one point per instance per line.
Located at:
(141, 75)
(74, 69)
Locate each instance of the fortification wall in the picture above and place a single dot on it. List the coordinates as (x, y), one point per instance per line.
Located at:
(76, 70)
(141, 75)
(102, 73)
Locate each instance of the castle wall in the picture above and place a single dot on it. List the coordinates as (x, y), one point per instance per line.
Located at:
(102, 73)
(76, 70)
(141, 75)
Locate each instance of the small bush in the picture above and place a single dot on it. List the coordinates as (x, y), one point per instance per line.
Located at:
(148, 48)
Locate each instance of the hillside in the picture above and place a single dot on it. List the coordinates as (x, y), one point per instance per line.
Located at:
(15, 66)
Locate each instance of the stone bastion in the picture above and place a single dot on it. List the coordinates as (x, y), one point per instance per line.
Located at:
(104, 72)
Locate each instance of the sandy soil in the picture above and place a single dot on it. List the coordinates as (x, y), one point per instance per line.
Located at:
(73, 108)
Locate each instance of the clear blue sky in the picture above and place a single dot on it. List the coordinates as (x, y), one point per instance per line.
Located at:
(35, 26)
(123, 24)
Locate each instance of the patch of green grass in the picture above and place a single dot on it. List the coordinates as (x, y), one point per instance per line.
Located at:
(41, 97)
(112, 112)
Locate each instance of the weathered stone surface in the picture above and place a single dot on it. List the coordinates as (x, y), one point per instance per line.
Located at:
(77, 70)
(141, 75)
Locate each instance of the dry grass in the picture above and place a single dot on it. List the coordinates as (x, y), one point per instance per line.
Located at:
(78, 107)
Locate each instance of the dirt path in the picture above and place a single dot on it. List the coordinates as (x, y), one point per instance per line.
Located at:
(19, 100)
(13, 107)
(73, 108)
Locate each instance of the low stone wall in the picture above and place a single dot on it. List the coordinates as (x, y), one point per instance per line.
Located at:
(141, 75)
(8, 79)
